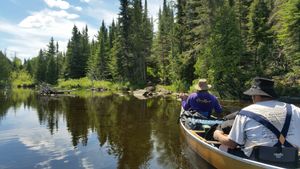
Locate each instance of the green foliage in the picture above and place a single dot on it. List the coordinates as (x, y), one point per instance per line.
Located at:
(19, 78)
(86, 83)
(288, 30)
(6, 68)
(226, 41)
(40, 74)
(224, 52)
(51, 74)
(260, 36)
(77, 53)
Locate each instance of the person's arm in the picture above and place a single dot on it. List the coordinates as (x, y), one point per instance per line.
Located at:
(217, 106)
(224, 139)
(184, 101)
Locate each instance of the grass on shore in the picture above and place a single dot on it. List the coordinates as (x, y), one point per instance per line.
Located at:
(86, 83)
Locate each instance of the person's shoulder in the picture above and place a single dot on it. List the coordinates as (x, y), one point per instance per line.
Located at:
(251, 107)
(295, 108)
(212, 96)
(192, 95)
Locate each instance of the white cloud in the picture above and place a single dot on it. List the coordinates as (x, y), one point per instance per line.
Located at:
(98, 10)
(77, 8)
(86, 164)
(46, 18)
(57, 3)
(34, 32)
(87, 1)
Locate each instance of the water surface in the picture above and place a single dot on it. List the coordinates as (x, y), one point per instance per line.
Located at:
(91, 131)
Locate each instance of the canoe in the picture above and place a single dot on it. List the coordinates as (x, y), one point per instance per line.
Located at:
(209, 151)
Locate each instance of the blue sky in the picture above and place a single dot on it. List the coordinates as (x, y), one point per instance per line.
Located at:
(27, 25)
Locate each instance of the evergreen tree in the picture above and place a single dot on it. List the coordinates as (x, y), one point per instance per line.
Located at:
(6, 68)
(147, 28)
(51, 68)
(102, 56)
(112, 34)
(92, 62)
(41, 67)
(85, 51)
(76, 67)
(117, 58)
(125, 22)
(165, 28)
(198, 19)
(260, 36)
(288, 34)
(224, 51)
(51, 73)
(137, 68)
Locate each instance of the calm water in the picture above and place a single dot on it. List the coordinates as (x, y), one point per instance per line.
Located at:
(105, 131)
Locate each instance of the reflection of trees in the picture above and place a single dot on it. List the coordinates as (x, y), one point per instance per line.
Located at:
(122, 123)
(49, 110)
(4, 106)
(166, 132)
(77, 119)
(130, 129)
(15, 98)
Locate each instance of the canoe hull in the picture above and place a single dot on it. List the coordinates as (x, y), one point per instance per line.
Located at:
(217, 158)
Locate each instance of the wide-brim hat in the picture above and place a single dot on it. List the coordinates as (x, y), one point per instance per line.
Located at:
(262, 87)
(202, 85)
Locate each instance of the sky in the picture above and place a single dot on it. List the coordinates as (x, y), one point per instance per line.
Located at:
(26, 26)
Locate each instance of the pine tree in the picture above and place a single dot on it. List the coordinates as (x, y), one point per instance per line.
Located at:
(76, 67)
(6, 68)
(85, 51)
(288, 32)
(147, 28)
(102, 56)
(117, 58)
(41, 67)
(224, 51)
(112, 34)
(137, 59)
(51, 67)
(51, 74)
(164, 46)
(125, 22)
(260, 36)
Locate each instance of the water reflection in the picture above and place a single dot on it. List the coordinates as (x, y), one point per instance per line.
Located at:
(103, 131)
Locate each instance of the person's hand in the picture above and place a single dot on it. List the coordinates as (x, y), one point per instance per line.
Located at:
(217, 134)
(183, 96)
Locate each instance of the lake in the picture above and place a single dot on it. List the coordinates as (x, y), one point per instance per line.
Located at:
(102, 130)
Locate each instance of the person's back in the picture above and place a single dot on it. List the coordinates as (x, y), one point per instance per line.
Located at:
(201, 101)
(255, 134)
(261, 124)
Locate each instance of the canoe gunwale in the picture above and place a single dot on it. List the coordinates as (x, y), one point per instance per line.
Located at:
(215, 150)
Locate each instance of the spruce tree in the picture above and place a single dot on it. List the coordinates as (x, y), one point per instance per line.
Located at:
(224, 52)
(76, 67)
(41, 67)
(102, 55)
(6, 68)
(125, 22)
(85, 50)
(260, 36)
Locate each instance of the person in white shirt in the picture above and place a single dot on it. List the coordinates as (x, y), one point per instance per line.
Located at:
(248, 133)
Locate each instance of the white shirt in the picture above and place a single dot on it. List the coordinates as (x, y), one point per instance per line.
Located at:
(246, 131)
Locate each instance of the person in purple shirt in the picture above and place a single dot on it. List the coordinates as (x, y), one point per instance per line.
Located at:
(201, 101)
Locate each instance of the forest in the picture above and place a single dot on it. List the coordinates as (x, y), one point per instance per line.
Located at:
(226, 41)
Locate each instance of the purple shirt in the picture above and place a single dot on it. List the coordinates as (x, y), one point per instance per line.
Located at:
(202, 102)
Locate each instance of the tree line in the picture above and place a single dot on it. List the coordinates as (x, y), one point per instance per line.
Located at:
(226, 41)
